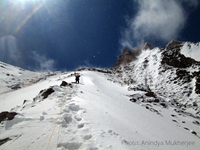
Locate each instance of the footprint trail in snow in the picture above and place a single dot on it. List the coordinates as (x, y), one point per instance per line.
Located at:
(72, 130)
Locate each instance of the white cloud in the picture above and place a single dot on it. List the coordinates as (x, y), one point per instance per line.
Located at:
(44, 63)
(155, 19)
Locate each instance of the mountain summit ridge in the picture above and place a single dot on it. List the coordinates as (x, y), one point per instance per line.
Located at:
(167, 72)
(129, 55)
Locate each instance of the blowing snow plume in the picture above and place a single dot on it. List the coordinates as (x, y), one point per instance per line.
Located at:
(156, 20)
(44, 63)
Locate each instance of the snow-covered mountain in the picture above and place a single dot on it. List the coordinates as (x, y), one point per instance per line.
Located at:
(148, 101)
(169, 76)
(12, 78)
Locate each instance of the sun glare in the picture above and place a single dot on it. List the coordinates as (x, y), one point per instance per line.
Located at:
(18, 1)
(24, 1)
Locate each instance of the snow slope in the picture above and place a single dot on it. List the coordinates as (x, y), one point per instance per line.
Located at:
(93, 115)
(191, 50)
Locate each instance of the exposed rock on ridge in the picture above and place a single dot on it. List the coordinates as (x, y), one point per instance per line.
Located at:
(173, 57)
(128, 56)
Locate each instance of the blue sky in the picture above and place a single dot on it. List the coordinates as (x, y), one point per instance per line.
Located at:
(48, 35)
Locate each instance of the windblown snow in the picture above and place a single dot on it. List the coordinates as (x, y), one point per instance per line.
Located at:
(97, 114)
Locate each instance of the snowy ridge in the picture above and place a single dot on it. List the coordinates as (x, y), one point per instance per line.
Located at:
(96, 114)
(13, 78)
(124, 108)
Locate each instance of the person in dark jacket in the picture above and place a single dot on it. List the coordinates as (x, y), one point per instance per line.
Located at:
(77, 76)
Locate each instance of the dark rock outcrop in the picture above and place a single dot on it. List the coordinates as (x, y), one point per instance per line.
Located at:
(128, 56)
(16, 87)
(2, 141)
(5, 115)
(47, 92)
(64, 83)
(197, 84)
(173, 57)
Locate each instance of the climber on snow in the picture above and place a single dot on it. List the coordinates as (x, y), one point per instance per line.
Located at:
(77, 76)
